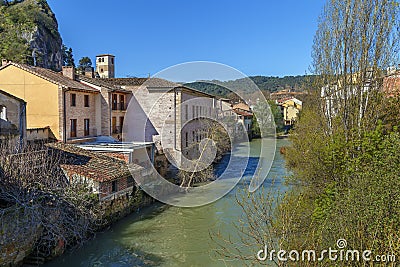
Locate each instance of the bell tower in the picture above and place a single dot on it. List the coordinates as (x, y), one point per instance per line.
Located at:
(105, 66)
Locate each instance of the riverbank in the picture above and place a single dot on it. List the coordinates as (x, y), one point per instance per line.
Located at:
(161, 235)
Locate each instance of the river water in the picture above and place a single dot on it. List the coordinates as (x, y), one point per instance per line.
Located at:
(169, 236)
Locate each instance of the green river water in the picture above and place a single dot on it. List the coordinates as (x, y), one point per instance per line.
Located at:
(169, 236)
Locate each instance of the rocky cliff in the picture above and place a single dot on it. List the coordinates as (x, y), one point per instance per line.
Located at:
(29, 34)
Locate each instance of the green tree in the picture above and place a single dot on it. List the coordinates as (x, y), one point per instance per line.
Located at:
(262, 110)
(85, 62)
(68, 57)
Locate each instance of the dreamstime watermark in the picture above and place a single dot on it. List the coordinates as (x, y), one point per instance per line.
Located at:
(167, 111)
(339, 253)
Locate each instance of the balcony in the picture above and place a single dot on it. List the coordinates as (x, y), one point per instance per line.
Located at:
(121, 106)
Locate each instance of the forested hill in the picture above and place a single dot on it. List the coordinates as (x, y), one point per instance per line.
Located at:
(29, 32)
(265, 83)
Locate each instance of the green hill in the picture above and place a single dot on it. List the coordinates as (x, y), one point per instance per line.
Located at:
(264, 83)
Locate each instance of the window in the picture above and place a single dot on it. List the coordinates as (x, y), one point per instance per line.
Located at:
(130, 181)
(122, 102)
(193, 112)
(186, 139)
(186, 112)
(115, 102)
(3, 113)
(101, 70)
(73, 128)
(112, 61)
(209, 111)
(197, 111)
(86, 100)
(194, 136)
(114, 186)
(86, 127)
(73, 100)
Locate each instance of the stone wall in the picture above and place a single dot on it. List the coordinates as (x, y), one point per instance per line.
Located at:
(80, 112)
(106, 187)
(12, 111)
(123, 204)
(14, 248)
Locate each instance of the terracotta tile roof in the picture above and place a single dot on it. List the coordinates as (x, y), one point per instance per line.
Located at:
(391, 85)
(97, 81)
(243, 113)
(158, 82)
(53, 77)
(126, 81)
(286, 92)
(102, 83)
(283, 99)
(241, 106)
(96, 166)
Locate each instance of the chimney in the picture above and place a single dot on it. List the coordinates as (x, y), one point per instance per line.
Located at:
(89, 72)
(4, 62)
(68, 71)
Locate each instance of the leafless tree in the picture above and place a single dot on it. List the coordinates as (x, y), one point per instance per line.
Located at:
(38, 204)
(200, 169)
(355, 43)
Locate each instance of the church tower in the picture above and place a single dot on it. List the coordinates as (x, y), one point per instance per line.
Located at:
(105, 66)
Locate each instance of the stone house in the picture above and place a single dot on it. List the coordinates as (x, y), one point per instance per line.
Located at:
(114, 103)
(244, 118)
(286, 93)
(163, 112)
(69, 108)
(290, 109)
(108, 177)
(12, 117)
(177, 116)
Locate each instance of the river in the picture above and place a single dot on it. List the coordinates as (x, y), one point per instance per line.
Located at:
(169, 236)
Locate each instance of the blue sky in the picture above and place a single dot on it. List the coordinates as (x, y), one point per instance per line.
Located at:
(258, 37)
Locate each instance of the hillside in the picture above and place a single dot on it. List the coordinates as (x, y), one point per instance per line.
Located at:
(264, 83)
(29, 33)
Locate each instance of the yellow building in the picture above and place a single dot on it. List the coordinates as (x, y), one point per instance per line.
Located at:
(290, 109)
(54, 100)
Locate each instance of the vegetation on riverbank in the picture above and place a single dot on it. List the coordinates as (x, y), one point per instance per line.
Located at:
(200, 170)
(42, 213)
(345, 148)
(261, 118)
(48, 212)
